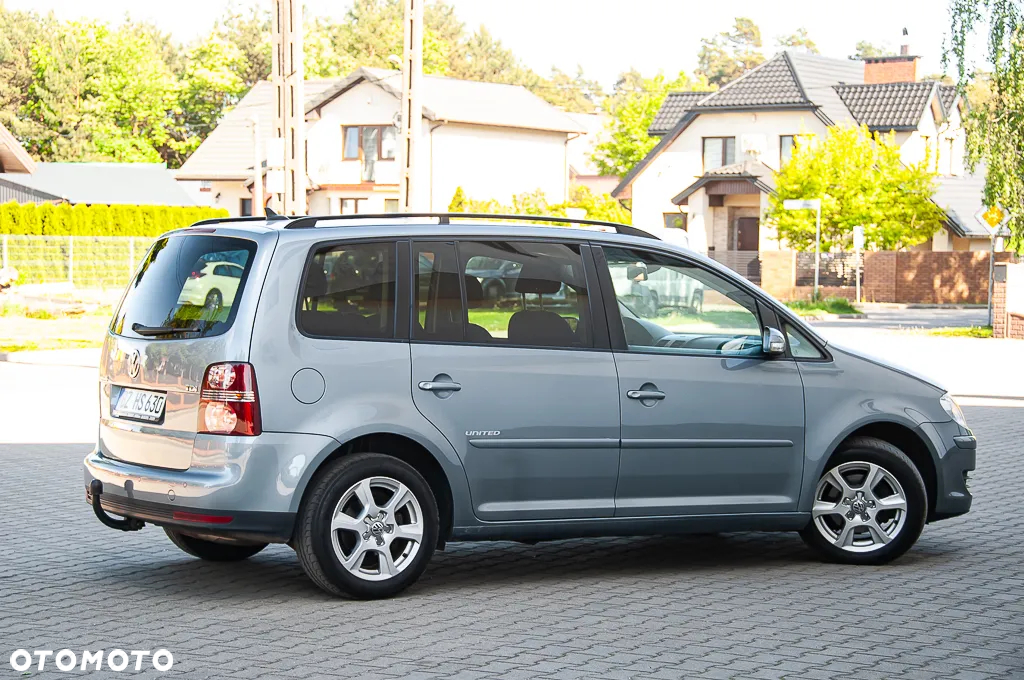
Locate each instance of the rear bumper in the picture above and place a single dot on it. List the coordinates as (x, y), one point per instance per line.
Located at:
(259, 527)
(256, 481)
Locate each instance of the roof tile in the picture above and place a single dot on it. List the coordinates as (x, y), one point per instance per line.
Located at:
(672, 110)
(887, 106)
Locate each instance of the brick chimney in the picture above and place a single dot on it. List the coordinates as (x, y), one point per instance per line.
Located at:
(894, 69)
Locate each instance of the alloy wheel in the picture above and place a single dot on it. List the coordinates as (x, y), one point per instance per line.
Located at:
(377, 528)
(859, 507)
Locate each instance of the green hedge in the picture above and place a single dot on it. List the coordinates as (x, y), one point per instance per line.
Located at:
(99, 220)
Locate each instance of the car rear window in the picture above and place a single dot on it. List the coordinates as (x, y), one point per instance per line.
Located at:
(190, 282)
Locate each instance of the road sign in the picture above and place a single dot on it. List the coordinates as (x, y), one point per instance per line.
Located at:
(858, 237)
(801, 204)
(994, 217)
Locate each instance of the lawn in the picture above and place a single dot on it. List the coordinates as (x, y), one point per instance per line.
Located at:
(831, 305)
(963, 332)
(25, 330)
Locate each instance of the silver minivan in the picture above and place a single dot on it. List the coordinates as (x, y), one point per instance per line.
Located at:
(346, 386)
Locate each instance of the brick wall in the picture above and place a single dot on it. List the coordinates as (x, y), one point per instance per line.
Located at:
(1008, 302)
(908, 277)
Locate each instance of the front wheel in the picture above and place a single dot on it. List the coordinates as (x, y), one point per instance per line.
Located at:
(212, 550)
(368, 527)
(869, 506)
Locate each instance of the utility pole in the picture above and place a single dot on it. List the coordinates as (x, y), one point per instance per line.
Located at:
(257, 169)
(287, 75)
(412, 105)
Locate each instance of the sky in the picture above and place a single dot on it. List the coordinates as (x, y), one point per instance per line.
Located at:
(605, 37)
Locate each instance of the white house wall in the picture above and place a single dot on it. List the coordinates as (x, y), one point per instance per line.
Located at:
(496, 163)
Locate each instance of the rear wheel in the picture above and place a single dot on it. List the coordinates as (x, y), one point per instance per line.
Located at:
(212, 550)
(214, 300)
(869, 506)
(368, 527)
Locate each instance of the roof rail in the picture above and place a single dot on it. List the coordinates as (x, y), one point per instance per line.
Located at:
(446, 218)
(269, 218)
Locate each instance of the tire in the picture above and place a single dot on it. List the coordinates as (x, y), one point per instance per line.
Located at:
(407, 532)
(868, 523)
(494, 292)
(212, 550)
(214, 300)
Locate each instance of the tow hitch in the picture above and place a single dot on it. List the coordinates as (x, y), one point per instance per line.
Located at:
(126, 524)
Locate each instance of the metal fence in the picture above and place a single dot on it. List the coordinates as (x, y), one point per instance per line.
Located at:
(746, 263)
(836, 269)
(84, 261)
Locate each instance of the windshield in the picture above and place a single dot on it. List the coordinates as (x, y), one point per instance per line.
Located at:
(187, 286)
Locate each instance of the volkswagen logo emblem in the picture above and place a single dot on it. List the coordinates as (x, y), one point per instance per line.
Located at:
(134, 363)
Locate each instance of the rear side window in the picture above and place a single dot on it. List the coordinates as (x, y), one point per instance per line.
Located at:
(180, 286)
(349, 292)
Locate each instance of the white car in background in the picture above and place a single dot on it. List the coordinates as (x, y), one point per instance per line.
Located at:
(211, 285)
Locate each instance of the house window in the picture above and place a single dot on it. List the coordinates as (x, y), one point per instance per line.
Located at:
(675, 220)
(370, 142)
(245, 207)
(390, 205)
(719, 151)
(351, 145)
(786, 144)
(204, 184)
(350, 206)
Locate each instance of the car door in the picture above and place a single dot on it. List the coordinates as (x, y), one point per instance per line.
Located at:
(521, 388)
(709, 423)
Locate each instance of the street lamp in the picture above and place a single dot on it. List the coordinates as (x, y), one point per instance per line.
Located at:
(815, 205)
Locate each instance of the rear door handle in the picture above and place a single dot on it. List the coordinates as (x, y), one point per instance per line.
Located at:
(439, 386)
(644, 395)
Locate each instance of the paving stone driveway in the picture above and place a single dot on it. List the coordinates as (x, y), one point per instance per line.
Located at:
(741, 605)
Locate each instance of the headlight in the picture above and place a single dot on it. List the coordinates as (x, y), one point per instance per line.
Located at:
(953, 409)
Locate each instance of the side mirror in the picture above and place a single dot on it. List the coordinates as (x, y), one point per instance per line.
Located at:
(773, 342)
(636, 273)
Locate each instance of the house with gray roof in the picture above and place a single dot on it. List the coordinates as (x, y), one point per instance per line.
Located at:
(711, 172)
(24, 180)
(492, 140)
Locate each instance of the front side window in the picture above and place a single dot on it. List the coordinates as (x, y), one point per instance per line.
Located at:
(349, 292)
(719, 151)
(667, 305)
(800, 346)
(188, 285)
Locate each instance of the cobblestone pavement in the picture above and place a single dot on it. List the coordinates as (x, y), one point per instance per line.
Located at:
(739, 605)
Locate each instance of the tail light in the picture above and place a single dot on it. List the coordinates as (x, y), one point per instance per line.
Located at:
(229, 402)
(197, 275)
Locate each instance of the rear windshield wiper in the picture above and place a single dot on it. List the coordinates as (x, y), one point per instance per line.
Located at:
(147, 331)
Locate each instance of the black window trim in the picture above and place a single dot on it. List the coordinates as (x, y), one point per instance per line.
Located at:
(400, 332)
(599, 335)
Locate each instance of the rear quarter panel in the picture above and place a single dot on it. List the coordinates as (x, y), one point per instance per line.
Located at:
(367, 383)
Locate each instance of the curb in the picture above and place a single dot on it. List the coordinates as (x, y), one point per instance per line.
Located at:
(825, 316)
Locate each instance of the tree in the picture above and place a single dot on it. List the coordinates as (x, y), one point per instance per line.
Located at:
(799, 40)
(597, 207)
(866, 50)
(730, 54)
(576, 94)
(995, 121)
(249, 31)
(632, 107)
(860, 181)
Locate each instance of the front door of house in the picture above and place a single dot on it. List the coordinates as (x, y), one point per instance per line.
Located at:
(747, 233)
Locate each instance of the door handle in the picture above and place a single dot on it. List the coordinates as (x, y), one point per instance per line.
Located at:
(439, 386)
(644, 395)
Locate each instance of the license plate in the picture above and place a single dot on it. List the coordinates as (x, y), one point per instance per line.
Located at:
(139, 405)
